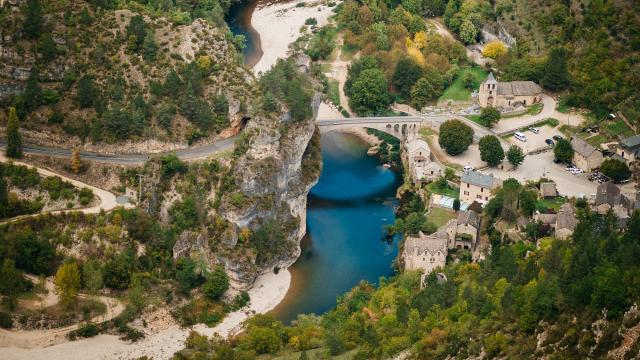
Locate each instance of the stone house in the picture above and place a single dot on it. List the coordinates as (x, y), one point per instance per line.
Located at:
(629, 148)
(585, 156)
(476, 186)
(566, 221)
(508, 94)
(609, 197)
(425, 252)
(422, 167)
(548, 190)
(467, 228)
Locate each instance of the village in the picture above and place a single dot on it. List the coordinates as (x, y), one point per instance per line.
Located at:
(456, 188)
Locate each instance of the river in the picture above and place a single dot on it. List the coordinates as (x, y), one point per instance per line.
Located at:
(239, 21)
(346, 214)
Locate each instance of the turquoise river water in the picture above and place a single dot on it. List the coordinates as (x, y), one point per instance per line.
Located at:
(347, 211)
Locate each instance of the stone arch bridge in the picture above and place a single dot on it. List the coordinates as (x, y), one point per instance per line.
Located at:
(397, 126)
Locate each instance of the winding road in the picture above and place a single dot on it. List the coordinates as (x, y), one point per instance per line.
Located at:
(190, 153)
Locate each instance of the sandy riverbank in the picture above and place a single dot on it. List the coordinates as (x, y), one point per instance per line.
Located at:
(279, 25)
(269, 290)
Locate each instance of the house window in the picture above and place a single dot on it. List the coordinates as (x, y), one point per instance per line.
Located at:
(467, 186)
(486, 198)
(490, 92)
(481, 189)
(433, 260)
(466, 193)
(479, 197)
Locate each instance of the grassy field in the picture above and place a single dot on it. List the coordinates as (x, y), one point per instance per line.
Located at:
(439, 216)
(475, 119)
(554, 203)
(334, 92)
(447, 191)
(457, 91)
(426, 132)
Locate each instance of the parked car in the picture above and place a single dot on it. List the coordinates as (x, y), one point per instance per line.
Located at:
(468, 168)
(569, 167)
(576, 171)
(557, 137)
(520, 136)
(534, 130)
(607, 153)
(549, 142)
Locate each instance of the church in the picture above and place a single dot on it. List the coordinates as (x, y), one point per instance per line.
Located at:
(510, 94)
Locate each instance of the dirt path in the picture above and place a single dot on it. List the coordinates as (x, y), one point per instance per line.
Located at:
(107, 199)
(339, 70)
(29, 339)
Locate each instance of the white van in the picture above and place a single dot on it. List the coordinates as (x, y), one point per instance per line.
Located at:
(520, 136)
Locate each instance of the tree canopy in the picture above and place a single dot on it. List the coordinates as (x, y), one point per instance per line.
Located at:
(455, 136)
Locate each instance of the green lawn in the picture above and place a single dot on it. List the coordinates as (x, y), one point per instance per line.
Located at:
(325, 68)
(475, 119)
(334, 92)
(552, 203)
(447, 191)
(439, 216)
(457, 91)
(563, 107)
(426, 132)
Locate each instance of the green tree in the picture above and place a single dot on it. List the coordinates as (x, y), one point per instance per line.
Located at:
(86, 92)
(491, 150)
(469, 80)
(33, 20)
(217, 283)
(67, 282)
(303, 355)
(615, 169)
(263, 340)
(92, 276)
(149, 46)
(556, 76)
(456, 205)
(136, 30)
(4, 197)
(515, 155)
(14, 139)
(563, 151)
(407, 72)
(489, 116)
(468, 32)
(11, 282)
(172, 83)
(455, 137)
(47, 48)
(32, 92)
(85, 17)
(269, 102)
(423, 91)
(369, 93)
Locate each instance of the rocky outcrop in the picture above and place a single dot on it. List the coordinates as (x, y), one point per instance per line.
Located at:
(274, 177)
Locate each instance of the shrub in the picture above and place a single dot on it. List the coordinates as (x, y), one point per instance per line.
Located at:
(615, 169)
(455, 137)
(217, 283)
(6, 322)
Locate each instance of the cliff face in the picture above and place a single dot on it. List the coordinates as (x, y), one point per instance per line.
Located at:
(262, 214)
(275, 175)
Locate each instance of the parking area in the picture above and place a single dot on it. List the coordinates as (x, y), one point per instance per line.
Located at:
(542, 165)
(535, 141)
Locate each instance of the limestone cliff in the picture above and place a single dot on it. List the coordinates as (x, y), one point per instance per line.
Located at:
(261, 218)
(275, 175)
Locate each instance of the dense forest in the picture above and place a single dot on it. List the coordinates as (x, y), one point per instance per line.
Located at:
(558, 299)
(107, 71)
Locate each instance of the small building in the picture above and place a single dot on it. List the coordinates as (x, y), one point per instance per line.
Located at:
(425, 252)
(566, 221)
(629, 148)
(548, 190)
(476, 186)
(422, 167)
(508, 94)
(585, 156)
(467, 228)
(607, 196)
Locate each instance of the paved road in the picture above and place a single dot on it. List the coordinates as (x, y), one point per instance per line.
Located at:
(190, 153)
